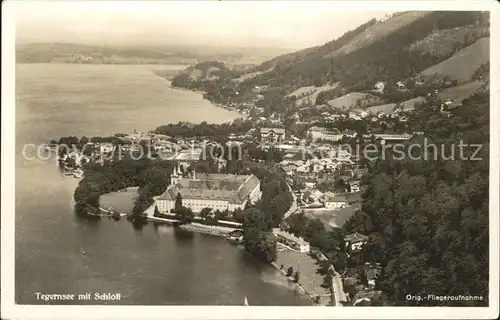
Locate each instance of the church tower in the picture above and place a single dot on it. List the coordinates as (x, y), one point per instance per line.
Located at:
(174, 177)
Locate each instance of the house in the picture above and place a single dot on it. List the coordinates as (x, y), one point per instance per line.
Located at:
(342, 200)
(359, 172)
(390, 137)
(273, 135)
(380, 86)
(336, 201)
(349, 133)
(354, 185)
(401, 85)
(355, 241)
(371, 272)
(290, 168)
(354, 116)
(106, 147)
(316, 133)
(310, 184)
(292, 241)
(290, 149)
(275, 118)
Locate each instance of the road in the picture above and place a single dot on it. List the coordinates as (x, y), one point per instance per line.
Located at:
(338, 290)
(293, 207)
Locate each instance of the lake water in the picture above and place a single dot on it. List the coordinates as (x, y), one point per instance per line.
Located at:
(57, 252)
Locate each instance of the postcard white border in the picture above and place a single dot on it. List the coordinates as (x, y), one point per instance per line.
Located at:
(9, 310)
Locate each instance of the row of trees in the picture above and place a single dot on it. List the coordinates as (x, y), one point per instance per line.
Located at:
(204, 129)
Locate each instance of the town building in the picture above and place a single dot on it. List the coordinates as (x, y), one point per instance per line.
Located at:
(387, 137)
(316, 133)
(215, 191)
(354, 185)
(380, 86)
(292, 241)
(341, 200)
(372, 272)
(185, 158)
(355, 241)
(106, 147)
(273, 135)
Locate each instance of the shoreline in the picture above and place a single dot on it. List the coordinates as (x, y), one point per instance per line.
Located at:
(219, 105)
(312, 296)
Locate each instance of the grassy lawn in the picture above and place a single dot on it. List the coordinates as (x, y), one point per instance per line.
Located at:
(122, 202)
(461, 92)
(334, 218)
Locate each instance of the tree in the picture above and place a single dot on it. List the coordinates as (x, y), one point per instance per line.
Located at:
(185, 215)
(340, 186)
(256, 219)
(296, 277)
(178, 202)
(257, 235)
(83, 141)
(205, 212)
(289, 272)
(427, 220)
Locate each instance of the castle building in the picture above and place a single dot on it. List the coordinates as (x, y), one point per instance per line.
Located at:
(215, 191)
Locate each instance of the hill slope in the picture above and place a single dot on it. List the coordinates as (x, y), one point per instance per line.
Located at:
(378, 32)
(463, 64)
(368, 57)
(390, 51)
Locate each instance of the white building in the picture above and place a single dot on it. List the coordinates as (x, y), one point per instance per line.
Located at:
(215, 191)
(341, 200)
(292, 241)
(276, 135)
(323, 133)
(355, 241)
(380, 86)
(336, 202)
(354, 186)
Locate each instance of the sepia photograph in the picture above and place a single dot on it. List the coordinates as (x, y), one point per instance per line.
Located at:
(249, 159)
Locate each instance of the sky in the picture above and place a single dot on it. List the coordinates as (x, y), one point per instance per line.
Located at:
(230, 23)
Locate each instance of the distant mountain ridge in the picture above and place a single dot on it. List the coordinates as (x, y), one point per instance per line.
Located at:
(73, 52)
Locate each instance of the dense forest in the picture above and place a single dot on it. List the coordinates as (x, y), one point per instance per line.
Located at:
(427, 219)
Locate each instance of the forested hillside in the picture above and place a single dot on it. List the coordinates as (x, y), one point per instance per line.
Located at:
(427, 218)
